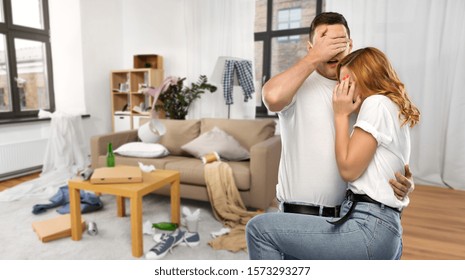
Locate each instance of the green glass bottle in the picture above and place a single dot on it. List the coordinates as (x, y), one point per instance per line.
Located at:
(110, 156)
(165, 226)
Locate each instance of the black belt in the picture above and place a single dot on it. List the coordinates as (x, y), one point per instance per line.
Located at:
(358, 198)
(311, 210)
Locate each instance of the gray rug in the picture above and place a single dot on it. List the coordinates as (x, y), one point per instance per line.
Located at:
(113, 241)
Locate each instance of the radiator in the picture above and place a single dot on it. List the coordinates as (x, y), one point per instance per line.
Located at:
(22, 156)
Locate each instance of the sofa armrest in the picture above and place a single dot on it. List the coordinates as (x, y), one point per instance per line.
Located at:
(264, 164)
(99, 143)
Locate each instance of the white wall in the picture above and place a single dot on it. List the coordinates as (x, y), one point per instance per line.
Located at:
(155, 27)
(67, 55)
(113, 31)
(102, 52)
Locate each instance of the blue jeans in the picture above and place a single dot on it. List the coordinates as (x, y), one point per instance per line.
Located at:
(89, 202)
(372, 232)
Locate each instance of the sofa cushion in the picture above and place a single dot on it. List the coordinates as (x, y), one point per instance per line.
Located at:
(140, 149)
(246, 132)
(192, 172)
(178, 133)
(216, 140)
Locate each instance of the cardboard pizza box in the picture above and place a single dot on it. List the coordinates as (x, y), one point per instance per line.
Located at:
(55, 228)
(117, 174)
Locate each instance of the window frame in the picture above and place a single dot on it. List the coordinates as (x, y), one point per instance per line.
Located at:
(288, 23)
(12, 32)
(267, 37)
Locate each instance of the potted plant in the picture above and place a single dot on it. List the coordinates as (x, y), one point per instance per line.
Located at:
(176, 98)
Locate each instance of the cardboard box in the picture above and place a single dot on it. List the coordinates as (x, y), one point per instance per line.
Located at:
(117, 174)
(148, 61)
(55, 228)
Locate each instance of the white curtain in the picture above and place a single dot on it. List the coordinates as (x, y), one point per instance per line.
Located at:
(65, 155)
(213, 29)
(425, 41)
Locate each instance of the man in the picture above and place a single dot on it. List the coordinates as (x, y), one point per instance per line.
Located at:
(309, 181)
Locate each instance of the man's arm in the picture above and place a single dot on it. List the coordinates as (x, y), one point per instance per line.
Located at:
(279, 90)
(402, 185)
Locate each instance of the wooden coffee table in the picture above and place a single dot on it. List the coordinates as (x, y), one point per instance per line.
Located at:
(135, 192)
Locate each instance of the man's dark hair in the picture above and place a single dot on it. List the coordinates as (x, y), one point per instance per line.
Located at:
(329, 18)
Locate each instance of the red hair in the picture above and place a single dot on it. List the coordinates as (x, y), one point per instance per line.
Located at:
(374, 75)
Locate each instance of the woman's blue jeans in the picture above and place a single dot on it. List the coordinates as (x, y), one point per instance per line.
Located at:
(372, 232)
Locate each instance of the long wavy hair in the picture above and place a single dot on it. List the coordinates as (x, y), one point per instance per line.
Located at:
(374, 75)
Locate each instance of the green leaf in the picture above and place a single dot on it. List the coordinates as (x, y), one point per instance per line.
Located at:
(177, 98)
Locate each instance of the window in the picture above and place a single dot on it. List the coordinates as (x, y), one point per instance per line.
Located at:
(281, 33)
(25, 59)
(289, 19)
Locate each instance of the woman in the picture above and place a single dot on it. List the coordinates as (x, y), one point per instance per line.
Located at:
(378, 146)
(380, 141)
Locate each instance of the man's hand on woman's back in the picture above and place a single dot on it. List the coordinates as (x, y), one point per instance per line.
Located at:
(402, 184)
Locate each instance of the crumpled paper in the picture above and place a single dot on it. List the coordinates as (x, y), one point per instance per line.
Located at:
(147, 228)
(146, 168)
(191, 219)
(221, 232)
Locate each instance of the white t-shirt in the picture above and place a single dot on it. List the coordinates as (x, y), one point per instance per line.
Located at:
(379, 116)
(308, 172)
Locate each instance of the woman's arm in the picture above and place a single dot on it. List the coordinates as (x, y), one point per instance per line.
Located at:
(353, 153)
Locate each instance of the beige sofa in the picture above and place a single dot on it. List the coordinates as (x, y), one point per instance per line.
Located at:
(255, 178)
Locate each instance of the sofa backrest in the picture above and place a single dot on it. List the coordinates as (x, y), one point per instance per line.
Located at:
(246, 132)
(178, 133)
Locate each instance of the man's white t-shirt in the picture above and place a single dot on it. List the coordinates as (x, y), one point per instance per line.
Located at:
(379, 116)
(308, 172)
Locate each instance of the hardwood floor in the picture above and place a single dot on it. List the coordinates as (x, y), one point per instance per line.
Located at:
(434, 222)
(13, 182)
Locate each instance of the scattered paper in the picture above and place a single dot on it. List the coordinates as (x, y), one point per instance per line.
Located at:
(147, 228)
(221, 232)
(146, 168)
(188, 214)
(191, 220)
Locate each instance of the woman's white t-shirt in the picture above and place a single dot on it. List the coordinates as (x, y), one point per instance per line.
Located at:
(379, 116)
